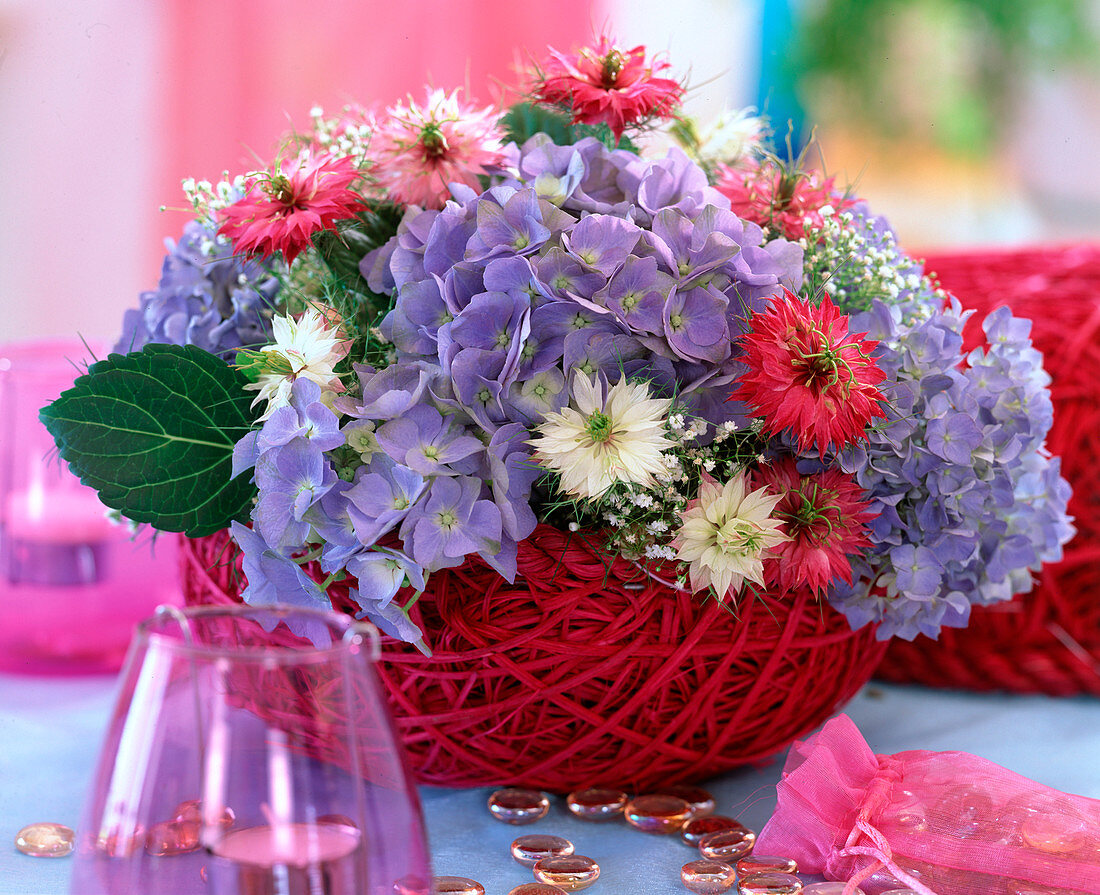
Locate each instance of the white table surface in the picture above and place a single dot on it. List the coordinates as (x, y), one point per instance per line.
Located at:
(50, 730)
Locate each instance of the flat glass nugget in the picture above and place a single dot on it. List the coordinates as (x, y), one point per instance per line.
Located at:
(771, 883)
(708, 877)
(116, 844)
(535, 889)
(728, 845)
(701, 801)
(968, 808)
(456, 885)
(191, 812)
(410, 885)
(518, 806)
(694, 830)
(657, 814)
(569, 872)
(45, 840)
(760, 863)
(831, 888)
(596, 803)
(529, 850)
(173, 837)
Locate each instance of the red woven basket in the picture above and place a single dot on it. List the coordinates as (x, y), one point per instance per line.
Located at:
(1047, 641)
(587, 671)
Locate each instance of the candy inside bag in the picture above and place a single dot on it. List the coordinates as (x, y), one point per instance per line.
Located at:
(941, 823)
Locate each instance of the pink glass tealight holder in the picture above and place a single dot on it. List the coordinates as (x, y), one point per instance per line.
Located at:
(251, 752)
(73, 583)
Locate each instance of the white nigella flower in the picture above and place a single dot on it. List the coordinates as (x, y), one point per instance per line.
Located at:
(306, 348)
(731, 136)
(726, 534)
(600, 441)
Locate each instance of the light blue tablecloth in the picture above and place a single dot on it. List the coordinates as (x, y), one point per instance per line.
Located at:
(50, 730)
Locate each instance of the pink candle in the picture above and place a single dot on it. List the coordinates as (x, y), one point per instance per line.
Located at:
(68, 516)
(289, 859)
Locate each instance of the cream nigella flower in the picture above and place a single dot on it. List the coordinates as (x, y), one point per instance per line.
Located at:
(726, 533)
(306, 348)
(598, 442)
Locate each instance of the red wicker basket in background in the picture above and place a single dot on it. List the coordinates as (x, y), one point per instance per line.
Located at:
(1047, 641)
(587, 671)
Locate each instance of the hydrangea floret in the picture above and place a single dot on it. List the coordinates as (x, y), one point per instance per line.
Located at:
(453, 327)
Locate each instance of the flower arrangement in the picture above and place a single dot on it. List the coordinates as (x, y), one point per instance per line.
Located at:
(421, 332)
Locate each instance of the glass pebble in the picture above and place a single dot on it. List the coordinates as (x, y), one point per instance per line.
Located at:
(596, 803)
(569, 872)
(761, 863)
(830, 888)
(410, 885)
(529, 850)
(173, 837)
(191, 812)
(518, 806)
(1056, 834)
(45, 840)
(694, 830)
(771, 883)
(967, 808)
(728, 845)
(456, 885)
(708, 877)
(701, 801)
(657, 814)
(884, 879)
(535, 889)
(117, 844)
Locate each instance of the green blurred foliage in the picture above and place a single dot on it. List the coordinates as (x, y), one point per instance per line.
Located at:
(946, 68)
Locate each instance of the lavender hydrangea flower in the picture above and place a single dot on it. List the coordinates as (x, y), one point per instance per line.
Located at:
(206, 297)
(450, 523)
(969, 504)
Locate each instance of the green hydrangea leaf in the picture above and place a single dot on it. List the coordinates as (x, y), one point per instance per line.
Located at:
(153, 432)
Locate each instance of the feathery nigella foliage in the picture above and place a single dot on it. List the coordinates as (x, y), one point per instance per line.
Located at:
(447, 323)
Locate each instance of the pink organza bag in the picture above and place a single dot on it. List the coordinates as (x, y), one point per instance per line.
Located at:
(941, 823)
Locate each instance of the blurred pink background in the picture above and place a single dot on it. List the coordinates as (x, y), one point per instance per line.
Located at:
(107, 104)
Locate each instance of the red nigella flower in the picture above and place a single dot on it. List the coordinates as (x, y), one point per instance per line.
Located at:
(807, 373)
(774, 195)
(283, 209)
(606, 85)
(825, 515)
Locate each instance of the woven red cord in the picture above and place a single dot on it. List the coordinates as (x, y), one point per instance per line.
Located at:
(580, 674)
(1047, 641)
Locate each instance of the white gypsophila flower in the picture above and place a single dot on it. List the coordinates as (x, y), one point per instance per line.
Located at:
(306, 348)
(726, 534)
(600, 441)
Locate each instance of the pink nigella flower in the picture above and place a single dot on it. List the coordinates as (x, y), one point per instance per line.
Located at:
(284, 208)
(420, 150)
(807, 373)
(607, 85)
(824, 515)
(775, 195)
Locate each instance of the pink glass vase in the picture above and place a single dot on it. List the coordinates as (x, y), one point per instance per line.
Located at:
(72, 583)
(213, 779)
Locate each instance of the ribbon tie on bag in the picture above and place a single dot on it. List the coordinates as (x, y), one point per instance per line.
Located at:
(879, 848)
